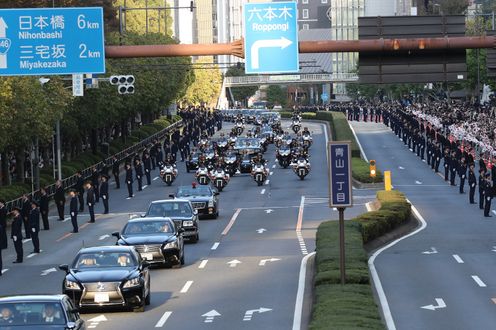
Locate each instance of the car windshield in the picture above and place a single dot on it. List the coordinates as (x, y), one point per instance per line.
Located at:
(31, 314)
(148, 228)
(190, 191)
(170, 209)
(104, 260)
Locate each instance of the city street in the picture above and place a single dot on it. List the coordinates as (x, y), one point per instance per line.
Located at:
(242, 274)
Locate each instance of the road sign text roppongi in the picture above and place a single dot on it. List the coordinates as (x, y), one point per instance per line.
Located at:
(46, 41)
(271, 37)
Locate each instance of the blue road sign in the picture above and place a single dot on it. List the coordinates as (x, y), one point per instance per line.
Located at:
(49, 41)
(271, 37)
(340, 186)
(324, 97)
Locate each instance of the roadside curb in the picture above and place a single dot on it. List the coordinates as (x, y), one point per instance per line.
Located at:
(305, 293)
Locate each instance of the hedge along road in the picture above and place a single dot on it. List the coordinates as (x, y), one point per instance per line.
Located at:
(430, 277)
(249, 275)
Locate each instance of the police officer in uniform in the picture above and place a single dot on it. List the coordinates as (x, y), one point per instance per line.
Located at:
(95, 176)
(79, 186)
(488, 195)
(462, 173)
(59, 199)
(147, 164)
(453, 168)
(472, 182)
(74, 211)
(104, 193)
(139, 173)
(129, 180)
(115, 172)
(3, 231)
(16, 234)
(44, 208)
(482, 173)
(34, 223)
(90, 201)
(25, 210)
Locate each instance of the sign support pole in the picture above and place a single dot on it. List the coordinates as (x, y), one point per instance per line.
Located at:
(342, 246)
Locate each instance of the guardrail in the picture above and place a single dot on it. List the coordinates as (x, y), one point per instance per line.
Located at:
(293, 78)
(86, 173)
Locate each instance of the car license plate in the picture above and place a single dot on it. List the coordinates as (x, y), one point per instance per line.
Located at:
(101, 297)
(147, 256)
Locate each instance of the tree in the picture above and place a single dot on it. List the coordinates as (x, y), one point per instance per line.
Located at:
(240, 93)
(277, 95)
(206, 86)
(452, 7)
(159, 21)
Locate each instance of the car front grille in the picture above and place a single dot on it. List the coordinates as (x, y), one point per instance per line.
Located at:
(199, 205)
(147, 248)
(92, 290)
(101, 286)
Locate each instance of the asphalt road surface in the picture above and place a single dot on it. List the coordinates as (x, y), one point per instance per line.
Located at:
(242, 274)
(442, 277)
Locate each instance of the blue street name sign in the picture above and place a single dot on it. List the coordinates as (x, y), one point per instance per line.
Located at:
(340, 187)
(271, 37)
(50, 41)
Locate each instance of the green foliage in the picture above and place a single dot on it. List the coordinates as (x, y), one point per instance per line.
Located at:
(394, 212)
(240, 94)
(451, 7)
(205, 88)
(361, 171)
(340, 129)
(135, 20)
(277, 95)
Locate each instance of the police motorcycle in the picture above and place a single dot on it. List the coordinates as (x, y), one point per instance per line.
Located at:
(278, 138)
(222, 143)
(203, 143)
(301, 166)
(239, 126)
(296, 126)
(283, 155)
(219, 178)
(202, 175)
(232, 139)
(168, 172)
(210, 158)
(259, 171)
(231, 162)
(306, 138)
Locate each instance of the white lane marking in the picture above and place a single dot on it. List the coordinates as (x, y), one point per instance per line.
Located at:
(29, 256)
(368, 206)
(440, 304)
(375, 276)
(101, 238)
(24, 241)
(418, 182)
(163, 319)
(401, 167)
(155, 178)
(494, 212)
(262, 192)
(4, 270)
(264, 261)
(145, 186)
(48, 271)
(478, 281)
(301, 241)
(66, 219)
(186, 287)
(233, 263)
(203, 264)
(271, 172)
(269, 211)
(359, 144)
(261, 230)
(274, 166)
(458, 259)
(301, 292)
(249, 313)
(128, 197)
(433, 250)
(267, 182)
(209, 317)
(215, 246)
(96, 320)
(231, 222)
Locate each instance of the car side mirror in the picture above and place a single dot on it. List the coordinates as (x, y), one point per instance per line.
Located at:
(64, 267)
(116, 234)
(171, 195)
(216, 193)
(71, 325)
(195, 212)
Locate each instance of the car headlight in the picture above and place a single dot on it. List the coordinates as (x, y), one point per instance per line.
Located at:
(188, 223)
(72, 285)
(171, 245)
(211, 203)
(132, 283)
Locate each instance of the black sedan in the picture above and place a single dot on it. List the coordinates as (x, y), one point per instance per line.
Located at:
(38, 312)
(181, 212)
(157, 240)
(108, 276)
(204, 199)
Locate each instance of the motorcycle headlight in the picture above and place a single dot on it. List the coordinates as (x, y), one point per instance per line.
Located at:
(188, 223)
(211, 203)
(171, 245)
(132, 283)
(71, 285)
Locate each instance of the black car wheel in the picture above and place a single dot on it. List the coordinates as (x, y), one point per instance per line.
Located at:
(148, 298)
(141, 307)
(182, 259)
(195, 238)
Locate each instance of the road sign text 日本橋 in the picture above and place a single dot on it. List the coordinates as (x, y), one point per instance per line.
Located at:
(271, 37)
(340, 186)
(48, 41)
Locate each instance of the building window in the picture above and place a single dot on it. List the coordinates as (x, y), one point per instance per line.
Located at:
(305, 26)
(305, 13)
(324, 1)
(304, 1)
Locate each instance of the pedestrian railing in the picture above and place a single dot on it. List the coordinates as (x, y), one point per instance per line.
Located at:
(86, 173)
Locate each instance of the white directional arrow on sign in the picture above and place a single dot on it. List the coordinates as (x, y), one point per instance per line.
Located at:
(261, 230)
(3, 34)
(264, 261)
(48, 271)
(440, 304)
(249, 313)
(432, 251)
(209, 317)
(269, 211)
(255, 49)
(233, 263)
(101, 238)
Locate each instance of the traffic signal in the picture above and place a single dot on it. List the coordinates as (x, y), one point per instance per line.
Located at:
(372, 168)
(125, 84)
